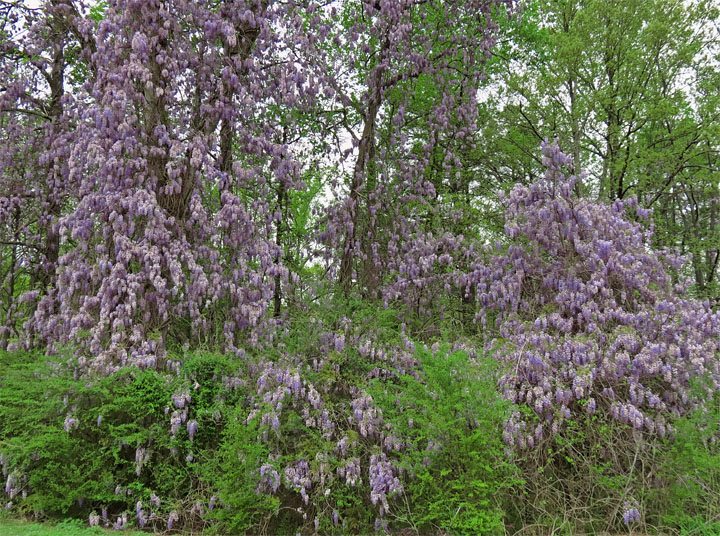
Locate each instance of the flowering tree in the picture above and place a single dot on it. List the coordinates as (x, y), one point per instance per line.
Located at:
(588, 317)
(181, 157)
(171, 233)
(409, 104)
(40, 55)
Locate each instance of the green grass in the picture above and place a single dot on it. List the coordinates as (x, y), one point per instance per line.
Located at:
(73, 528)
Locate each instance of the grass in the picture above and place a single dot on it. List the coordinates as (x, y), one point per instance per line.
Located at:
(67, 528)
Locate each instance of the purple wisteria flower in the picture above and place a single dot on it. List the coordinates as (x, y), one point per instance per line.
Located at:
(191, 429)
(70, 423)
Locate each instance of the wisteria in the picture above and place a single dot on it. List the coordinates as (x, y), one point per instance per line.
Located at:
(630, 512)
(142, 455)
(154, 247)
(172, 519)
(589, 318)
(383, 482)
(70, 423)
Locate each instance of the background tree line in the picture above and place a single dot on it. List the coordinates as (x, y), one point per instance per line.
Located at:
(368, 131)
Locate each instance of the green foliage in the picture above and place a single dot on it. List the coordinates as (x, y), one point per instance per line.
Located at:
(687, 492)
(457, 476)
(70, 527)
(77, 468)
(232, 472)
(456, 462)
(97, 11)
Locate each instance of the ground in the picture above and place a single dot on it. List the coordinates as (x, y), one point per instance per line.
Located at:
(23, 528)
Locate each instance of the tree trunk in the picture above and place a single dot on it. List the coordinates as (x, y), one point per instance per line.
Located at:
(365, 153)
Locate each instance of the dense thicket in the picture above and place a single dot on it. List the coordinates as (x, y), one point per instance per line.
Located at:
(298, 266)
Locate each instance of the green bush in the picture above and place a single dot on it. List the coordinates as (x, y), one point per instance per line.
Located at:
(686, 494)
(55, 467)
(233, 473)
(457, 471)
(72, 444)
(69, 448)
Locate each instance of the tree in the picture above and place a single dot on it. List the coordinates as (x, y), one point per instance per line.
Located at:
(416, 66)
(621, 86)
(589, 318)
(39, 53)
(603, 350)
(170, 238)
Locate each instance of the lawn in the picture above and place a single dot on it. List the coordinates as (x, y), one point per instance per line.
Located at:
(24, 528)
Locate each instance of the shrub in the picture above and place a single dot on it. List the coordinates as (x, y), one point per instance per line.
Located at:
(450, 419)
(92, 448)
(313, 435)
(686, 491)
(603, 350)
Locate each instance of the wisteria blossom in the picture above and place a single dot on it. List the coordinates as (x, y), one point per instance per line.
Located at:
(588, 317)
